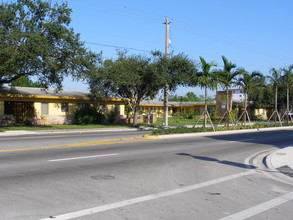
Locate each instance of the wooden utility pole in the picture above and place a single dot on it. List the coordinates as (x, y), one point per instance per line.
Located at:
(166, 87)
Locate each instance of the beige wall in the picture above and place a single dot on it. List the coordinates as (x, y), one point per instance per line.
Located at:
(55, 114)
(109, 108)
(122, 109)
(261, 113)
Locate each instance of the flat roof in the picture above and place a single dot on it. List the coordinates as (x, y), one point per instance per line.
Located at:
(15, 90)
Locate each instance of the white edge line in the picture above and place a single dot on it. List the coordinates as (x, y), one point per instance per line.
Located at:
(85, 157)
(243, 140)
(114, 205)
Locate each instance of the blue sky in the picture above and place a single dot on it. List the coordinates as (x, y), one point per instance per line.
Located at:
(253, 34)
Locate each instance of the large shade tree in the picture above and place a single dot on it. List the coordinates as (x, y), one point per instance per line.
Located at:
(36, 40)
(176, 70)
(131, 77)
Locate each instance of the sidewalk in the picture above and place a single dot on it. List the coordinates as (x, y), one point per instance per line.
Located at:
(282, 160)
(63, 131)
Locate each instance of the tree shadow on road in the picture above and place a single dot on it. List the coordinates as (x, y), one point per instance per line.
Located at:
(226, 162)
(259, 137)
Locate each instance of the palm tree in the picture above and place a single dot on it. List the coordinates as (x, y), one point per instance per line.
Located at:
(226, 78)
(207, 81)
(288, 78)
(247, 82)
(275, 80)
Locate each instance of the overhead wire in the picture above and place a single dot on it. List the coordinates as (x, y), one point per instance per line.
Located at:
(214, 36)
(113, 10)
(118, 47)
(153, 17)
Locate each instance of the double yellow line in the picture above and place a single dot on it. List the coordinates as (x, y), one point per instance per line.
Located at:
(83, 144)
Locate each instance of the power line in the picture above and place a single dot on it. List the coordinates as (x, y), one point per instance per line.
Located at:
(214, 36)
(118, 47)
(150, 16)
(125, 12)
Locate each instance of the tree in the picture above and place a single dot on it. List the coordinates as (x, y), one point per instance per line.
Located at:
(133, 78)
(261, 95)
(206, 80)
(247, 82)
(24, 81)
(275, 80)
(36, 40)
(176, 70)
(288, 79)
(189, 97)
(226, 78)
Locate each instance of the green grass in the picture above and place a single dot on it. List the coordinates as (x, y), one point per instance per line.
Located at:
(55, 127)
(174, 121)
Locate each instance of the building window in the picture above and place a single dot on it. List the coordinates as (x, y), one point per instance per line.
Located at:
(44, 108)
(8, 108)
(117, 109)
(64, 107)
(102, 107)
(83, 106)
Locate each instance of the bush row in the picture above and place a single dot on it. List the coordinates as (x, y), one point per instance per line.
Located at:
(201, 129)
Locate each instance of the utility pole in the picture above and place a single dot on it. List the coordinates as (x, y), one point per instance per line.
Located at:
(166, 87)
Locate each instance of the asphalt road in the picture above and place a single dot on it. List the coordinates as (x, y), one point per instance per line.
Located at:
(122, 176)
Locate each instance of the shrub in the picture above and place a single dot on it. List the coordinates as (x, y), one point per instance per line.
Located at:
(110, 117)
(183, 116)
(88, 116)
(201, 129)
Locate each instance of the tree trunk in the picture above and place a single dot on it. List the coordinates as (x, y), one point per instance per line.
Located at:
(166, 97)
(227, 107)
(288, 106)
(135, 113)
(276, 104)
(245, 108)
(205, 107)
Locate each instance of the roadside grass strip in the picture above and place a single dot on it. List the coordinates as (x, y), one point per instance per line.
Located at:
(82, 144)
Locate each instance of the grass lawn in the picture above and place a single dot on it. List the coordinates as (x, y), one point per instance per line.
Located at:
(176, 121)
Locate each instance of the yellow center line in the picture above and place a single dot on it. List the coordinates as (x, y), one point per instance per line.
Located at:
(83, 144)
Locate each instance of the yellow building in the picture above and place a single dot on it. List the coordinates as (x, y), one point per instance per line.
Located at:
(174, 107)
(47, 106)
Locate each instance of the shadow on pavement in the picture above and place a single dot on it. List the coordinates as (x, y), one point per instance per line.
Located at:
(226, 162)
(262, 137)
